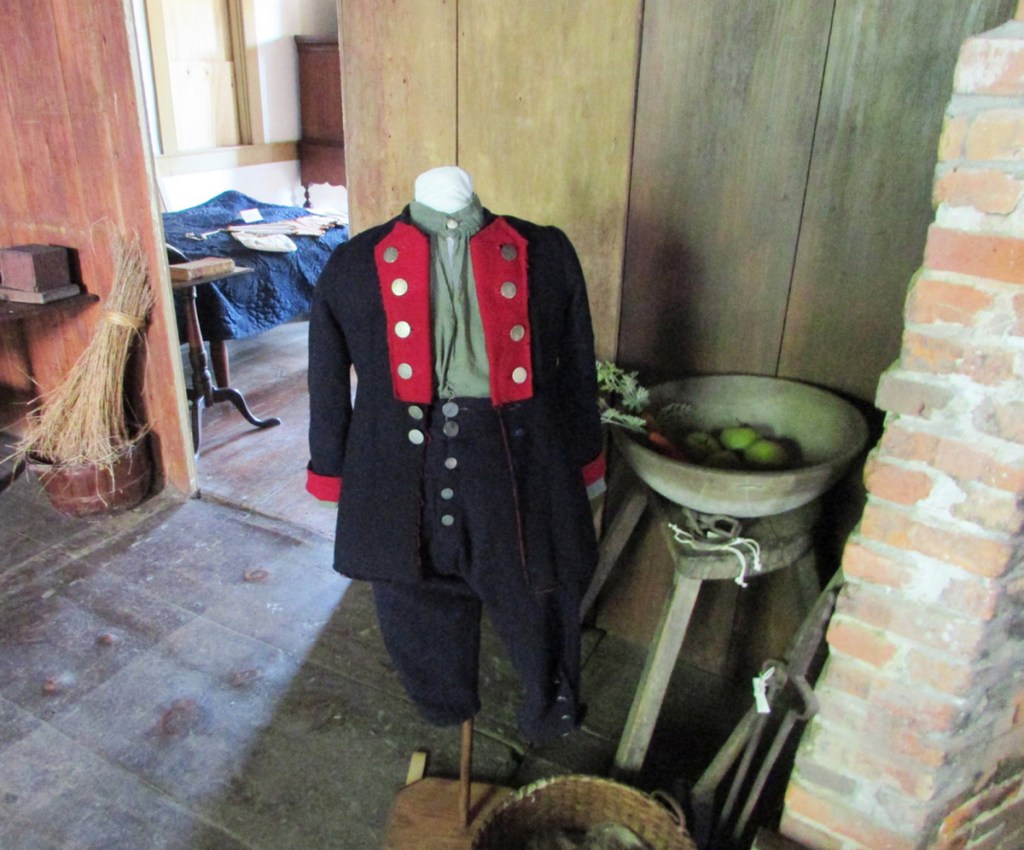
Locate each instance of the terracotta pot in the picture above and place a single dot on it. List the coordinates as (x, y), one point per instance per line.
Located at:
(90, 490)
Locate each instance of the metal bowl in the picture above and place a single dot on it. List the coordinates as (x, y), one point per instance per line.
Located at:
(829, 431)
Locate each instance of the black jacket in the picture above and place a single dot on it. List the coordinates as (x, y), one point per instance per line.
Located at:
(543, 385)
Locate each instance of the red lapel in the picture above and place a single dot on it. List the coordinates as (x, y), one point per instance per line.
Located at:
(499, 256)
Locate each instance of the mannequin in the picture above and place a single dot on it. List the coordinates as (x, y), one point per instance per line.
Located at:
(446, 188)
(461, 475)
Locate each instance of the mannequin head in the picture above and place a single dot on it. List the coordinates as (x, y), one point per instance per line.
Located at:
(447, 188)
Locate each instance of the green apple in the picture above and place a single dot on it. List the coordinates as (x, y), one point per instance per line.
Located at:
(738, 437)
(700, 444)
(766, 454)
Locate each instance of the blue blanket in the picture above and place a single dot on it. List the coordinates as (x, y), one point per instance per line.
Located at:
(281, 286)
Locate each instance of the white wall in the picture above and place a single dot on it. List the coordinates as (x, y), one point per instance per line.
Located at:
(276, 23)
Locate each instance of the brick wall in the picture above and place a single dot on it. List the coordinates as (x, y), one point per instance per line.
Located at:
(920, 739)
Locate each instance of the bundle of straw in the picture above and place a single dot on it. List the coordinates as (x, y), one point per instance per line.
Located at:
(83, 419)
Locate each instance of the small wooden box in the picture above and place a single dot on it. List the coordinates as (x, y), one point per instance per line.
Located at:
(203, 267)
(34, 268)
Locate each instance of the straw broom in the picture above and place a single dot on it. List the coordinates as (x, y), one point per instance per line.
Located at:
(82, 421)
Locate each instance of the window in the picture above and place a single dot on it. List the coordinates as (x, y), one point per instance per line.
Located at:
(200, 78)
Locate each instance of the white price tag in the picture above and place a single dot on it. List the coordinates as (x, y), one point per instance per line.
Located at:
(250, 216)
(761, 691)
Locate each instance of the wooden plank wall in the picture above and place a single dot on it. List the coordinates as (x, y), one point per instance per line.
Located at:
(545, 125)
(534, 100)
(399, 99)
(781, 182)
(726, 106)
(76, 171)
(888, 78)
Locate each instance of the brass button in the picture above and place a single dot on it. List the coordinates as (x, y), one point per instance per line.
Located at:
(450, 428)
(450, 409)
(447, 493)
(451, 462)
(519, 375)
(517, 333)
(390, 254)
(404, 371)
(399, 286)
(416, 437)
(403, 329)
(509, 252)
(447, 519)
(508, 289)
(415, 411)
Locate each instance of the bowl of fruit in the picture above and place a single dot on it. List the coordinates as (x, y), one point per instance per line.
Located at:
(743, 445)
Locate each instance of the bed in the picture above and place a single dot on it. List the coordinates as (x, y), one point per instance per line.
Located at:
(281, 286)
(276, 287)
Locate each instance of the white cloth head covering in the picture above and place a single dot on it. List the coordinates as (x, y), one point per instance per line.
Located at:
(447, 188)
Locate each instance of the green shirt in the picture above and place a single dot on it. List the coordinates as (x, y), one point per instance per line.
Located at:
(460, 355)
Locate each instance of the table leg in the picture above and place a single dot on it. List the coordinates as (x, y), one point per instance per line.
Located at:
(661, 661)
(203, 391)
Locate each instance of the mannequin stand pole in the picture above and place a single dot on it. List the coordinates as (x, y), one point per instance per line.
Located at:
(465, 770)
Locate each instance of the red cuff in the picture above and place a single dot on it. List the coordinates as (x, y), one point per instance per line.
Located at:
(327, 488)
(594, 471)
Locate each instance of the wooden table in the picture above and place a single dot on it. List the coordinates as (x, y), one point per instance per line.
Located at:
(784, 540)
(204, 391)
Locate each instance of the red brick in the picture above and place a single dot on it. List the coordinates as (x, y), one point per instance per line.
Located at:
(911, 744)
(977, 554)
(990, 65)
(871, 646)
(919, 622)
(986, 190)
(991, 509)
(862, 562)
(1004, 420)
(807, 803)
(980, 255)
(906, 393)
(849, 676)
(968, 462)
(932, 300)
(996, 135)
(953, 141)
(944, 355)
(896, 483)
(972, 597)
(990, 798)
(809, 835)
(838, 761)
(948, 676)
(919, 709)
(898, 441)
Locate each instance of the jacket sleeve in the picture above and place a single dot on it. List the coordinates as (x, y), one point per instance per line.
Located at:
(578, 372)
(330, 388)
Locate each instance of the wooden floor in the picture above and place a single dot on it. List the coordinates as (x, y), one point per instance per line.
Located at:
(264, 470)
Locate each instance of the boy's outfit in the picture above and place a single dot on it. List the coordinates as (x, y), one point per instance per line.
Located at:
(462, 464)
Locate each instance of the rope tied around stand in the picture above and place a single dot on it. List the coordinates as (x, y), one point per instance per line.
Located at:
(718, 533)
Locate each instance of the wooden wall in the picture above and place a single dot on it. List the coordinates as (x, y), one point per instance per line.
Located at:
(533, 99)
(781, 182)
(75, 171)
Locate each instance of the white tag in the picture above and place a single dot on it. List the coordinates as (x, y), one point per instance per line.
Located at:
(761, 691)
(249, 216)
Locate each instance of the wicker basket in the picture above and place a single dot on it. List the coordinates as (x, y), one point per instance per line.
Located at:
(579, 803)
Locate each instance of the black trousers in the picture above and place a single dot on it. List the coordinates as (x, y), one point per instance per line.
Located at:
(473, 562)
